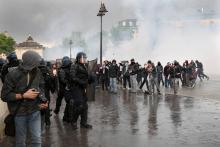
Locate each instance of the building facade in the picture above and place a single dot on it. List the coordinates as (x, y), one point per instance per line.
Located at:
(29, 44)
(125, 30)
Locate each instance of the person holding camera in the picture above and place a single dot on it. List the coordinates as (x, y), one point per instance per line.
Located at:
(23, 90)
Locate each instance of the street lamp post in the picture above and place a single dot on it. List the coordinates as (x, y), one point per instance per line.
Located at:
(70, 43)
(101, 13)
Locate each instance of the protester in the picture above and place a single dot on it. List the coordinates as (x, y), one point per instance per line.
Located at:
(113, 74)
(133, 70)
(24, 88)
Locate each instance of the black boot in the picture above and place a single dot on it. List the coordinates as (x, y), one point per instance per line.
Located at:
(48, 123)
(86, 126)
(158, 92)
(147, 92)
(74, 125)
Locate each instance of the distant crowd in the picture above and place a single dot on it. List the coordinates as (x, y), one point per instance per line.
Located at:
(133, 76)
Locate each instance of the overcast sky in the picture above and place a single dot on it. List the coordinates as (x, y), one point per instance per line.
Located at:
(49, 21)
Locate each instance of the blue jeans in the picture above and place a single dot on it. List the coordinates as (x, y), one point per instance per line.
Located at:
(113, 85)
(167, 82)
(31, 124)
(133, 83)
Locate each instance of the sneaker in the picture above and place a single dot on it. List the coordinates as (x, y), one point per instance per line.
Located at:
(146, 92)
(86, 126)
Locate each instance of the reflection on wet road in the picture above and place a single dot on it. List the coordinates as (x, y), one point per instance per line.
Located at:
(135, 120)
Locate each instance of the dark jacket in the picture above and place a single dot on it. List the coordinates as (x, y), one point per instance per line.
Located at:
(7, 68)
(104, 73)
(64, 76)
(49, 80)
(133, 68)
(154, 72)
(144, 73)
(175, 72)
(166, 70)
(113, 71)
(200, 65)
(79, 81)
(15, 83)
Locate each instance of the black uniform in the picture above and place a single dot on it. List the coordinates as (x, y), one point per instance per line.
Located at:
(64, 80)
(78, 102)
(8, 67)
(49, 87)
(2, 62)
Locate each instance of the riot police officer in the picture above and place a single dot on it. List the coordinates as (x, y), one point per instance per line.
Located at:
(48, 87)
(64, 86)
(12, 63)
(79, 81)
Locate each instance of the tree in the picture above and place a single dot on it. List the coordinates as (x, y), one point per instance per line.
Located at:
(6, 44)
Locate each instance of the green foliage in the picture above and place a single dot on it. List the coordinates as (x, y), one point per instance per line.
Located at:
(6, 44)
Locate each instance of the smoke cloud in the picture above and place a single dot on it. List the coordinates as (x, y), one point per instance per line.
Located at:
(173, 30)
(167, 29)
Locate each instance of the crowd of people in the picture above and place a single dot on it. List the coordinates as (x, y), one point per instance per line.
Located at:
(27, 88)
(29, 83)
(134, 76)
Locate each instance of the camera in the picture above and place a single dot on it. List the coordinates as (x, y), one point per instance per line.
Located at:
(43, 100)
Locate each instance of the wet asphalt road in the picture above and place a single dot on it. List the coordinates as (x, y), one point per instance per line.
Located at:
(137, 120)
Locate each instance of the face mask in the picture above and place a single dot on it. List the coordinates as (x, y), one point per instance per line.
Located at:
(83, 60)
